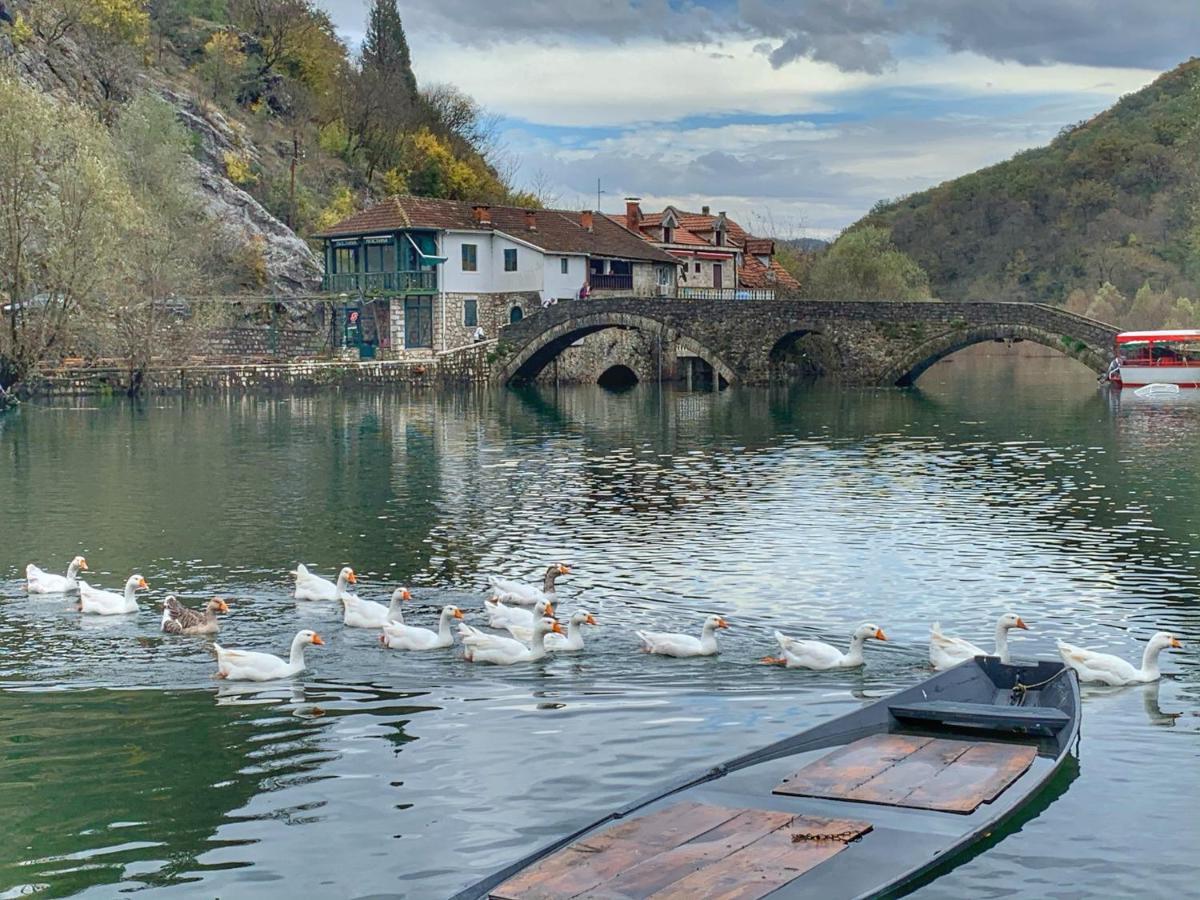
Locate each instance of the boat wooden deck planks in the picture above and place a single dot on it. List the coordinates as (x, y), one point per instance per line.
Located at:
(934, 773)
(979, 775)
(838, 774)
(742, 853)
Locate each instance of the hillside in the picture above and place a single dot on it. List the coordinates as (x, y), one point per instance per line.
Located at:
(1110, 210)
(290, 129)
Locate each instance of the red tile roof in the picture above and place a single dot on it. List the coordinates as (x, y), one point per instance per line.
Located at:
(558, 230)
(753, 274)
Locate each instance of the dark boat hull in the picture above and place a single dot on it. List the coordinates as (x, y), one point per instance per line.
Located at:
(973, 702)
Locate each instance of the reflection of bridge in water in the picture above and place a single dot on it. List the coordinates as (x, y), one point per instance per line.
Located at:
(860, 342)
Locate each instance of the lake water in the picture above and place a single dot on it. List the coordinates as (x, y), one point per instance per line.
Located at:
(998, 485)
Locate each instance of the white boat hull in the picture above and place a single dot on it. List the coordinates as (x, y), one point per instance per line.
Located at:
(1140, 376)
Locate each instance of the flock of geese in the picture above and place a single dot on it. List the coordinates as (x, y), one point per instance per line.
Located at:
(527, 614)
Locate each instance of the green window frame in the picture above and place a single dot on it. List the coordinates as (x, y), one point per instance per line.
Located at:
(470, 258)
(470, 312)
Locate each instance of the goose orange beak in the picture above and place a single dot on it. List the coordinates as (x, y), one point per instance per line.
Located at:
(879, 635)
(406, 595)
(1021, 623)
(564, 569)
(591, 620)
(83, 564)
(222, 606)
(1175, 643)
(142, 583)
(549, 609)
(722, 624)
(317, 640)
(352, 578)
(458, 613)
(556, 628)
(773, 660)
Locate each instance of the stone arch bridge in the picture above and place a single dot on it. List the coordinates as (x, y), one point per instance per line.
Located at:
(861, 342)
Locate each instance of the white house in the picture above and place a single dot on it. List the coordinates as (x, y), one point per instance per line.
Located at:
(419, 274)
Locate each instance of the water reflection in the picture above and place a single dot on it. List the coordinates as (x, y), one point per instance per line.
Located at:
(805, 509)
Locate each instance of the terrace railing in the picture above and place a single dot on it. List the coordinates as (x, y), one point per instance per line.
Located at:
(370, 283)
(611, 282)
(712, 293)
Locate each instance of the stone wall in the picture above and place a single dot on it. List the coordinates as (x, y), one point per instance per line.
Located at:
(469, 365)
(584, 361)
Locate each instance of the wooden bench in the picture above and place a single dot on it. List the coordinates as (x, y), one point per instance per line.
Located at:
(1040, 720)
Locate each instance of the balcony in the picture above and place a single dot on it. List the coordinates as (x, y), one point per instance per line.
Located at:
(611, 282)
(375, 283)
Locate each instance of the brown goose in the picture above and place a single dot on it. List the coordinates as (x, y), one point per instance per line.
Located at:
(178, 619)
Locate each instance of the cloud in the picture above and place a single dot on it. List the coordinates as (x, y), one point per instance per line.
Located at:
(808, 178)
(853, 35)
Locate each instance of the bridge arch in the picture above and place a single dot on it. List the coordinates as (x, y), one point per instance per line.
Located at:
(913, 364)
(542, 349)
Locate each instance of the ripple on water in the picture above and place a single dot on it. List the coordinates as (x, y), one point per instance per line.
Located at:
(125, 762)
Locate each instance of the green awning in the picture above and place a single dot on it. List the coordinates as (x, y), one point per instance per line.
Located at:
(428, 253)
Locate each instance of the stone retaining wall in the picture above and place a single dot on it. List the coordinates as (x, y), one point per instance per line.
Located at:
(467, 365)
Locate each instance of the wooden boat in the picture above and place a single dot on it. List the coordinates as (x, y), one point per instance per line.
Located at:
(856, 807)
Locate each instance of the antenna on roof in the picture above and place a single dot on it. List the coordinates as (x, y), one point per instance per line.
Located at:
(598, 193)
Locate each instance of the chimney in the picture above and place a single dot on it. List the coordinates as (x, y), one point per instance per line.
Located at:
(585, 219)
(482, 215)
(704, 210)
(530, 220)
(633, 213)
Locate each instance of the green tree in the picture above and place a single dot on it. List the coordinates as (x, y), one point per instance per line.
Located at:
(385, 47)
(163, 239)
(61, 196)
(863, 264)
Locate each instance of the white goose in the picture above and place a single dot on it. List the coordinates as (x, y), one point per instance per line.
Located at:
(818, 655)
(314, 587)
(246, 665)
(502, 616)
(682, 645)
(109, 603)
(369, 614)
(39, 582)
(480, 647)
(573, 641)
(524, 594)
(946, 652)
(398, 636)
(1108, 669)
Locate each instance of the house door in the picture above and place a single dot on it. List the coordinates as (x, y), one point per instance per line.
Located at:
(418, 322)
(716, 275)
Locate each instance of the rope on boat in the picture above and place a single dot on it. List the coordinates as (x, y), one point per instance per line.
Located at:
(845, 837)
(1019, 690)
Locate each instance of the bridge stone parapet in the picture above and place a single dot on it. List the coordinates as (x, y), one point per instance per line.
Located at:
(747, 341)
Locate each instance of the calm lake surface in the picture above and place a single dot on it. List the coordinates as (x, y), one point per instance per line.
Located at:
(999, 485)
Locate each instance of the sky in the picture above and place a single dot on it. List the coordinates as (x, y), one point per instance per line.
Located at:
(794, 116)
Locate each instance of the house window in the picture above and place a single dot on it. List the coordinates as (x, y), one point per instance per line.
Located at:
(664, 275)
(469, 262)
(697, 267)
(565, 266)
(345, 259)
(470, 312)
(515, 314)
(668, 235)
(719, 237)
(621, 267)
(510, 260)
(381, 257)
